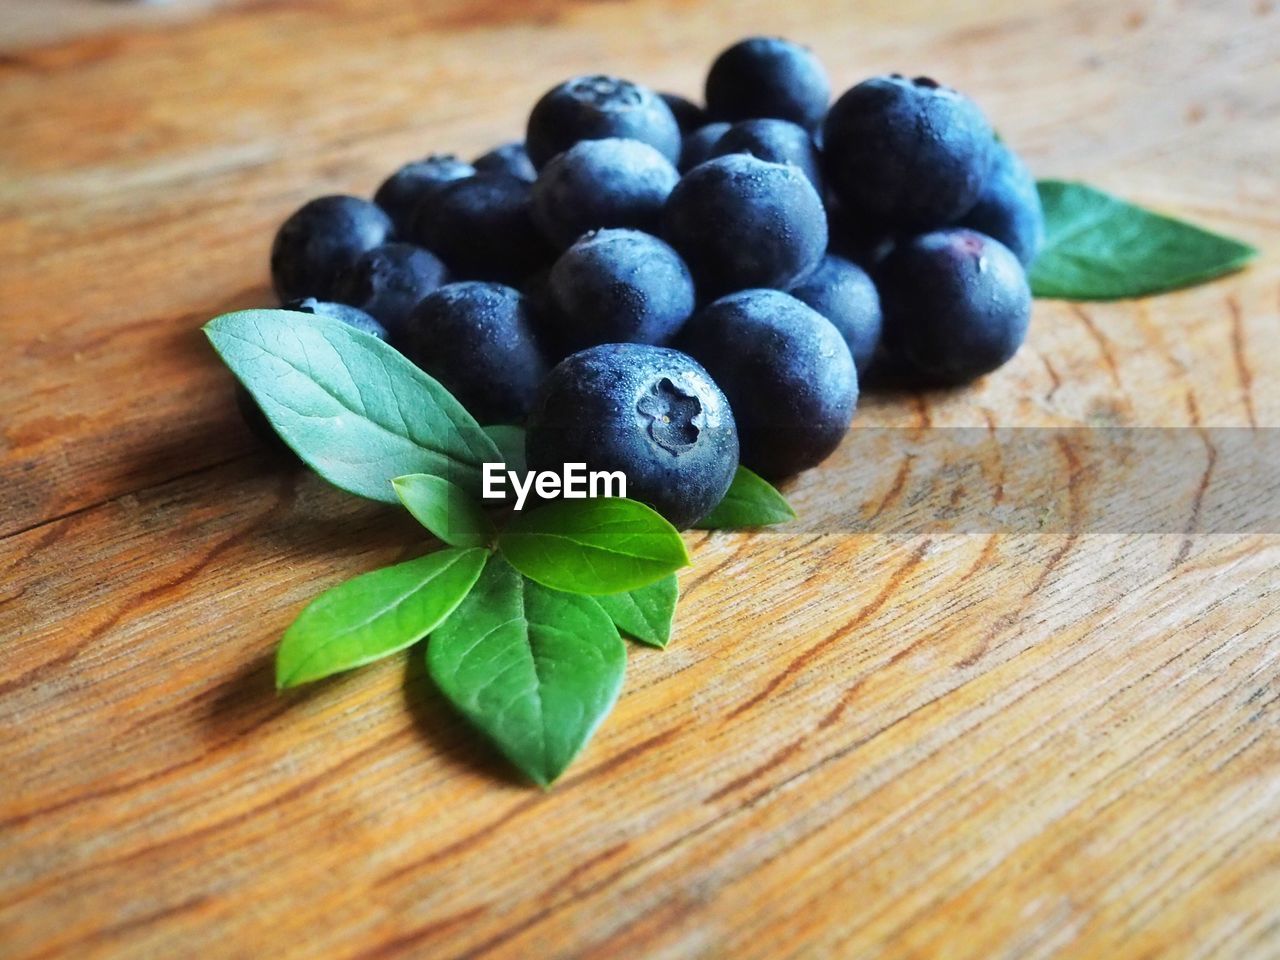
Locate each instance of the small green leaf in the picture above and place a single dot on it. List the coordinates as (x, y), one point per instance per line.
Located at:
(536, 670)
(445, 509)
(751, 502)
(349, 405)
(597, 546)
(645, 613)
(1098, 247)
(510, 442)
(374, 615)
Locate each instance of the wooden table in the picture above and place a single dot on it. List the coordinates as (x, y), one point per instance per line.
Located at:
(965, 745)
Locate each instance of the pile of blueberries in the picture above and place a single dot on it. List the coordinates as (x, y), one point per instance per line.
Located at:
(664, 289)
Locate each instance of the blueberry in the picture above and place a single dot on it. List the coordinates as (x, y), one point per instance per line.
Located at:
(843, 293)
(252, 414)
(652, 413)
(509, 158)
(689, 116)
(351, 316)
(536, 290)
(321, 240)
(740, 222)
(768, 77)
(477, 339)
(908, 153)
(778, 141)
(1009, 207)
(482, 229)
(388, 281)
(855, 238)
(401, 192)
(619, 286)
(699, 144)
(595, 107)
(956, 305)
(601, 183)
(787, 372)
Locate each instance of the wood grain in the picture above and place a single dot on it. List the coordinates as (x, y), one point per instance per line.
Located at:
(964, 745)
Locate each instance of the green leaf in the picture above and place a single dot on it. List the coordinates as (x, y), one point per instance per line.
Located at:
(374, 615)
(645, 613)
(510, 443)
(750, 502)
(534, 669)
(598, 546)
(445, 509)
(1098, 247)
(348, 404)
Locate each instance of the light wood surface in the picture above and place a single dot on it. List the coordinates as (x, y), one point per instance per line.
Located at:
(960, 745)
